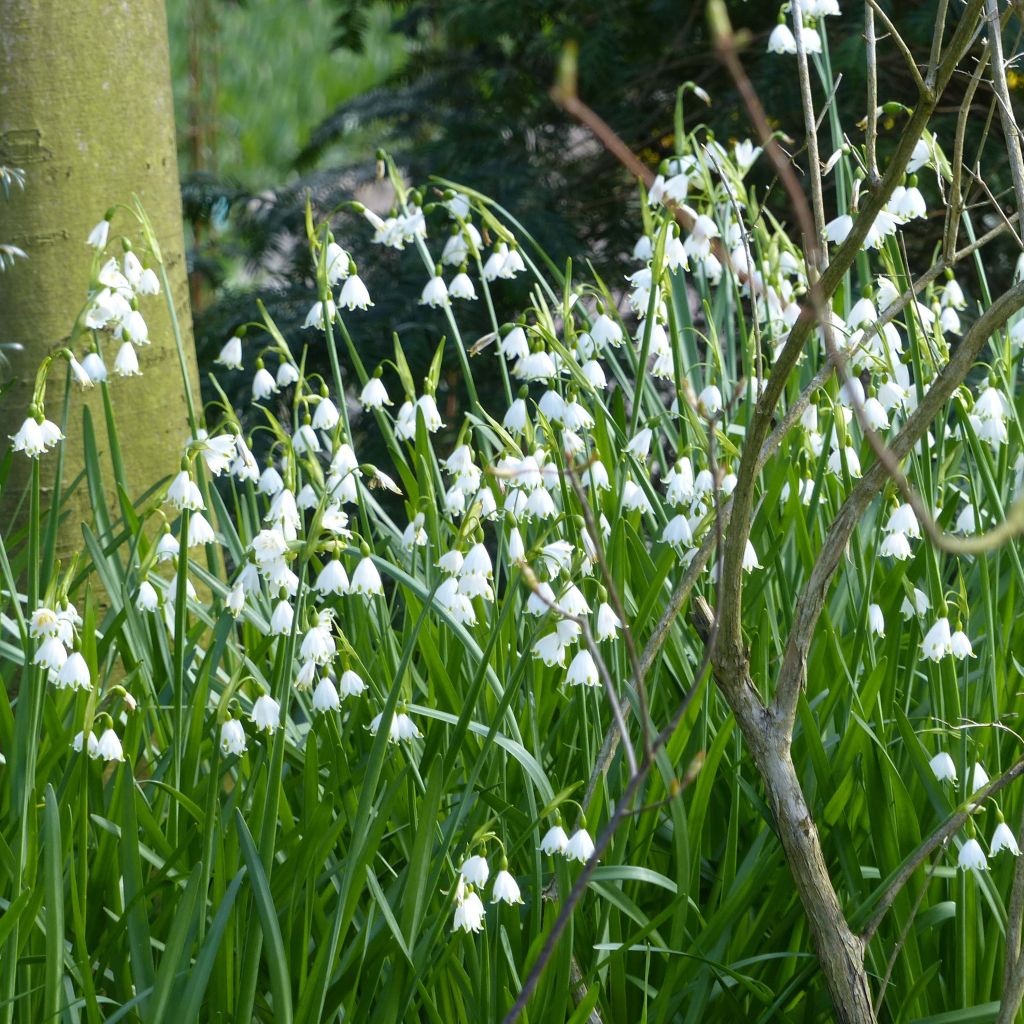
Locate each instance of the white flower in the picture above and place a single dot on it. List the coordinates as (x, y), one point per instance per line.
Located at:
(315, 316)
(99, 234)
(149, 283)
(326, 416)
(108, 747)
(550, 649)
(337, 261)
(505, 889)
(678, 533)
(943, 768)
(634, 498)
(200, 532)
(896, 545)
(354, 294)
(217, 452)
(960, 645)
(232, 737)
(750, 562)
(402, 727)
(477, 562)
(263, 384)
(937, 642)
(475, 870)
(835, 461)
(235, 599)
(904, 520)
(580, 846)
(1002, 839)
(745, 153)
(979, 778)
(582, 671)
(74, 674)
(183, 493)
(94, 366)
(515, 344)
(332, 579)
(781, 40)
(640, 444)
(126, 362)
(427, 404)
(573, 601)
(44, 622)
(469, 914)
(350, 684)
(592, 370)
(875, 414)
(366, 579)
(281, 619)
(516, 418)
(325, 696)
(555, 841)
(243, 465)
(374, 395)
(608, 623)
(287, 373)
(91, 744)
(51, 654)
(305, 677)
(535, 366)
(231, 354)
(810, 39)
(876, 621)
(305, 440)
(709, 401)
(909, 204)
(146, 600)
(266, 713)
(270, 482)
(268, 546)
(435, 293)
(29, 439)
(920, 605)
(972, 856)
(836, 231)
(318, 644)
(79, 374)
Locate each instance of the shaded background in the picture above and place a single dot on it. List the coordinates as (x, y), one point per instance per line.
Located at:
(277, 101)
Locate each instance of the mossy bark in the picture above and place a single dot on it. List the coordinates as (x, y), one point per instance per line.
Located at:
(86, 110)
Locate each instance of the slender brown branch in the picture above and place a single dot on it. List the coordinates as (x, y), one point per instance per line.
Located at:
(1011, 133)
(871, 135)
(817, 250)
(908, 57)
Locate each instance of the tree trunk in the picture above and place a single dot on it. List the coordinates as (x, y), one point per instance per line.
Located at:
(840, 952)
(87, 112)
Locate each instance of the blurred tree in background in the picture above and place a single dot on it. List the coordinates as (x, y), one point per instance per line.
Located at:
(460, 89)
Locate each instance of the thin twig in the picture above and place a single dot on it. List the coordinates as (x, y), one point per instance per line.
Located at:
(908, 57)
(1011, 133)
(817, 252)
(871, 137)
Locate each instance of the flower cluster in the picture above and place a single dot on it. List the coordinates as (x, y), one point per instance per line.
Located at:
(470, 912)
